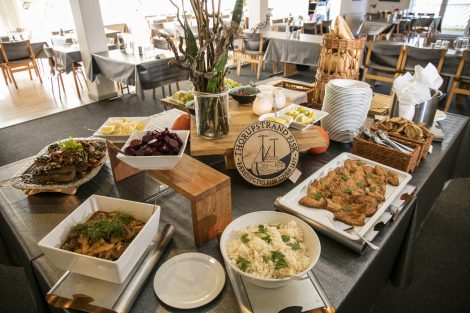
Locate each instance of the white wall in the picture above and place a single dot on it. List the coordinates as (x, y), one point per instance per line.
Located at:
(389, 6)
(282, 8)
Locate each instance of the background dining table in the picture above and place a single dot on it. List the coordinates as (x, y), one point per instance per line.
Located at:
(352, 282)
(283, 47)
(142, 71)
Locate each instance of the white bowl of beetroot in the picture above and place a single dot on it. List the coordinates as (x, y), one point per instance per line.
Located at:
(154, 150)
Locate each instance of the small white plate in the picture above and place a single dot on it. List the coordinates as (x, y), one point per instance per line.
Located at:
(317, 117)
(189, 280)
(440, 115)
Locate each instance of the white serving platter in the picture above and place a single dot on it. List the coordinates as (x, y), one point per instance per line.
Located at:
(117, 138)
(323, 216)
(318, 115)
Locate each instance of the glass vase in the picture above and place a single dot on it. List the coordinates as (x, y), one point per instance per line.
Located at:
(212, 114)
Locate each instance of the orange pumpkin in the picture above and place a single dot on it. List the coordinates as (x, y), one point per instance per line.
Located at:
(324, 134)
(182, 122)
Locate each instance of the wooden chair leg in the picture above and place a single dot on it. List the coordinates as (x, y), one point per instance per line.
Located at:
(259, 65)
(84, 78)
(36, 69)
(169, 89)
(274, 64)
(451, 95)
(177, 86)
(62, 83)
(52, 85)
(163, 92)
(5, 76)
(12, 77)
(29, 71)
(154, 95)
(58, 86)
(76, 84)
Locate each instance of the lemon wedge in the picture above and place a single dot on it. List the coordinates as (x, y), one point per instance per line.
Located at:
(108, 129)
(303, 119)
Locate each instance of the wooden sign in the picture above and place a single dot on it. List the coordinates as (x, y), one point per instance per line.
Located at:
(266, 153)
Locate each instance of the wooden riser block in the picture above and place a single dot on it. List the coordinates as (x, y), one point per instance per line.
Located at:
(208, 191)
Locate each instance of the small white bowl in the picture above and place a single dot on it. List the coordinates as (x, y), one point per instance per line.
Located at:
(157, 162)
(311, 242)
(113, 271)
(288, 118)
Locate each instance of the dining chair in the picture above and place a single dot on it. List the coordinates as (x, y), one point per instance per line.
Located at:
(423, 24)
(120, 27)
(325, 27)
(18, 57)
(277, 21)
(56, 66)
(160, 43)
(459, 79)
(310, 28)
(422, 56)
(383, 58)
(4, 39)
(252, 51)
(55, 70)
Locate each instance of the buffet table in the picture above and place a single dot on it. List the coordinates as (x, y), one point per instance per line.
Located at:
(349, 280)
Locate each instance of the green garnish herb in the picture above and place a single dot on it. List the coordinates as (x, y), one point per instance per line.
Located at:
(285, 238)
(294, 246)
(278, 226)
(267, 239)
(265, 258)
(318, 196)
(347, 190)
(372, 189)
(344, 177)
(346, 208)
(379, 182)
(360, 185)
(72, 146)
(244, 238)
(278, 259)
(261, 229)
(243, 264)
(105, 228)
(370, 175)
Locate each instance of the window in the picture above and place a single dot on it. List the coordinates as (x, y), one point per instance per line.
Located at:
(456, 14)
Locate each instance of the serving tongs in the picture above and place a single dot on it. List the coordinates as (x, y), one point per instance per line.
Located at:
(347, 228)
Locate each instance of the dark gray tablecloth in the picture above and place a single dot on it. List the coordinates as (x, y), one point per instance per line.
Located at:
(281, 48)
(66, 56)
(351, 282)
(143, 72)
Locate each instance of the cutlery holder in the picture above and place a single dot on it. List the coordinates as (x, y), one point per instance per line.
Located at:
(388, 156)
(423, 145)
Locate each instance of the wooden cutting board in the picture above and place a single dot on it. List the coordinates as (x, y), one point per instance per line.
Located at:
(240, 117)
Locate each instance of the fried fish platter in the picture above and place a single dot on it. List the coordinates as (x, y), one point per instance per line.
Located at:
(352, 191)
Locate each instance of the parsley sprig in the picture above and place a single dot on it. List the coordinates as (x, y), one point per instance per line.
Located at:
(243, 264)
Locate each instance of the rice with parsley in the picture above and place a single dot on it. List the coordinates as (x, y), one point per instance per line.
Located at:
(270, 250)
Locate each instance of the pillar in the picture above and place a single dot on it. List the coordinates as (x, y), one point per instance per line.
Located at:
(258, 11)
(92, 39)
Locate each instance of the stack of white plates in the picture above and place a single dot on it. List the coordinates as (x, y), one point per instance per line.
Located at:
(348, 102)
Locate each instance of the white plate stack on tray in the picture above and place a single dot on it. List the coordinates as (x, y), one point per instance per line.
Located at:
(348, 102)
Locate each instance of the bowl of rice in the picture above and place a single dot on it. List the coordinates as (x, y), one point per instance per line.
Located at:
(270, 248)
